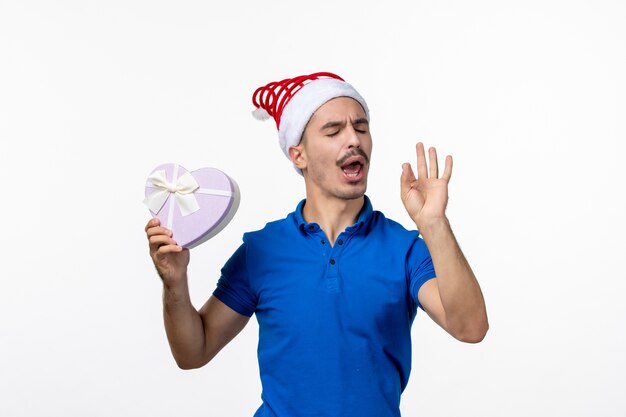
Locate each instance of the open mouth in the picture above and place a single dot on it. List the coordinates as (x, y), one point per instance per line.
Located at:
(353, 167)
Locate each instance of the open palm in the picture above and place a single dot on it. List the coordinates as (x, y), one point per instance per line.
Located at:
(425, 197)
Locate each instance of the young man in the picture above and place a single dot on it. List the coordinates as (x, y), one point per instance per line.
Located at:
(335, 285)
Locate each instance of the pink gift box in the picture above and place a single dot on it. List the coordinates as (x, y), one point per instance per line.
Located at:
(195, 205)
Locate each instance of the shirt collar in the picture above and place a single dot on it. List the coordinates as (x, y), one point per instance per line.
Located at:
(364, 215)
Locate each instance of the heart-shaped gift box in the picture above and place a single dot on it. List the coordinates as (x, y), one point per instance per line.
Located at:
(194, 205)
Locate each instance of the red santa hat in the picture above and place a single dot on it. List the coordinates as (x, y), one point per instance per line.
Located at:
(292, 102)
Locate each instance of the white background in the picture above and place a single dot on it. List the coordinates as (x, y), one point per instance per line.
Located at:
(528, 96)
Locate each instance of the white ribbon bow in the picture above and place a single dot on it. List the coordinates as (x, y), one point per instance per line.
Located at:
(183, 191)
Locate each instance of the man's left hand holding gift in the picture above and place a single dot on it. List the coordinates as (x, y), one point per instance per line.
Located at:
(169, 259)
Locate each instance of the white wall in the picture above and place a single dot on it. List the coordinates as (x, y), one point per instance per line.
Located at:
(527, 96)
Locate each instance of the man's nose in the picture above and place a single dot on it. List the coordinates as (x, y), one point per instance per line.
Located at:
(354, 141)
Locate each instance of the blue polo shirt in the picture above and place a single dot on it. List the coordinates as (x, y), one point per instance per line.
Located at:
(334, 321)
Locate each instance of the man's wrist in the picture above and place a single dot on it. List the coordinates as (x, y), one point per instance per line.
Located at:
(433, 226)
(174, 283)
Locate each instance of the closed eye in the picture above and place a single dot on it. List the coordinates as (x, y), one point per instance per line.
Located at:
(361, 125)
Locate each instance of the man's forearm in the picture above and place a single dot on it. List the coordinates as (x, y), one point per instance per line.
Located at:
(184, 327)
(461, 297)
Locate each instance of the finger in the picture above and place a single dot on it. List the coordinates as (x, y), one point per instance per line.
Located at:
(447, 170)
(155, 242)
(152, 223)
(434, 167)
(161, 239)
(157, 230)
(422, 170)
(406, 178)
(164, 250)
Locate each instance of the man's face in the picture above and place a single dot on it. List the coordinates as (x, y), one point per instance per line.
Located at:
(336, 148)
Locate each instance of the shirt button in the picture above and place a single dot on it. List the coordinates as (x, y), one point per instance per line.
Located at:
(340, 242)
(323, 242)
(332, 262)
(311, 227)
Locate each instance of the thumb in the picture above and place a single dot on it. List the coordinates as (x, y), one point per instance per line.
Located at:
(406, 178)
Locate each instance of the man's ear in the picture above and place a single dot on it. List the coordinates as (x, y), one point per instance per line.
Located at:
(297, 155)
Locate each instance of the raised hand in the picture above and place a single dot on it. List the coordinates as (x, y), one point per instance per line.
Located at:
(169, 259)
(425, 197)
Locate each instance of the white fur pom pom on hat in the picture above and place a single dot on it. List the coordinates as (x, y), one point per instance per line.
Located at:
(260, 114)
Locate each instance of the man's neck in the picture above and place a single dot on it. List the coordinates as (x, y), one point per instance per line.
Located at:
(332, 214)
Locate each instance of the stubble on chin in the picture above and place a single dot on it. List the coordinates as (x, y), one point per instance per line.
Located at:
(353, 191)
(350, 195)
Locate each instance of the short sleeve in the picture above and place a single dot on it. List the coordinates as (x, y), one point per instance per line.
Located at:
(233, 287)
(419, 268)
